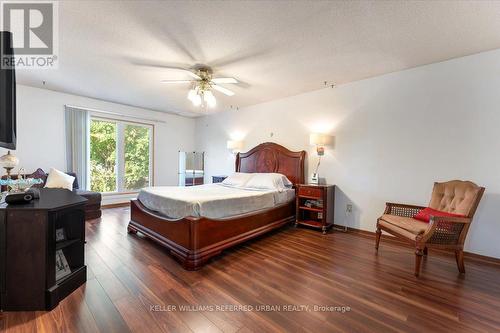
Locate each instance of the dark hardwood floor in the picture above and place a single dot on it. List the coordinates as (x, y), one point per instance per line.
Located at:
(132, 282)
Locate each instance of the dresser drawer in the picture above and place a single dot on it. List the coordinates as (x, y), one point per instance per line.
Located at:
(311, 192)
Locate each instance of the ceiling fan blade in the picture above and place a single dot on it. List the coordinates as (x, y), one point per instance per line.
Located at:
(224, 80)
(241, 56)
(223, 90)
(152, 63)
(193, 75)
(180, 67)
(177, 81)
(187, 71)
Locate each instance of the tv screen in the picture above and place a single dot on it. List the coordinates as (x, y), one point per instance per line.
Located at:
(7, 93)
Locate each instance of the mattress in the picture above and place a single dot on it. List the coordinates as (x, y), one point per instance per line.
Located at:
(215, 201)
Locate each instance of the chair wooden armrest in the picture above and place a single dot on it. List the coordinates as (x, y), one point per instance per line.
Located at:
(446, 230)
(402, 209)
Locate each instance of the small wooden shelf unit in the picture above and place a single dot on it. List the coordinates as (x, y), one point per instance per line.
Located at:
(320, 213)
(28, 248)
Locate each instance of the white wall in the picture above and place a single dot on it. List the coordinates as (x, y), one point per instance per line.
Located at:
(41, 133)
(395, 135)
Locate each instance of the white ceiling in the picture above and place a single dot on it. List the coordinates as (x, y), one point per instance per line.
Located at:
(275, 48)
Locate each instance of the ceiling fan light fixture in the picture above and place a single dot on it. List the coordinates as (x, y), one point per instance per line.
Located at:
(202, 84)
(210, 99)
(197, 100)
(202, 96)
(209, 93)
(192, 94)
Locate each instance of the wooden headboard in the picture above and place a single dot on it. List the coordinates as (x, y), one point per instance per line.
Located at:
(271, 157)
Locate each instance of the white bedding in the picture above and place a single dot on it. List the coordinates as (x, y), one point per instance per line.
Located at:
(215, 201)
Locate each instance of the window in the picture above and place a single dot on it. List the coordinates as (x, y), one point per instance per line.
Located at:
(120, 155)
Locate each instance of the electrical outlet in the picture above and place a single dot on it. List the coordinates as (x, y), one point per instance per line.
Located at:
(348, 208)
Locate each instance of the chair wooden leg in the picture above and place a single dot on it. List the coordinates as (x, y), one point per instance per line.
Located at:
(459, 256)
(425, 251)
(418, 260)
(378, 234)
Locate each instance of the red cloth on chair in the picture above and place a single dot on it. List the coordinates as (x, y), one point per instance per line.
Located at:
(425, 214)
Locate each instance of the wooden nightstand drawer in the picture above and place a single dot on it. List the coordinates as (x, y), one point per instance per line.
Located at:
(310, 192)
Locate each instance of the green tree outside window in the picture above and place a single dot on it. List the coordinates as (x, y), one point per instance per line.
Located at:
(104, 139)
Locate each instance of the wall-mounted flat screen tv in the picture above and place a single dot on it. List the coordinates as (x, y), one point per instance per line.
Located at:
(7, 93)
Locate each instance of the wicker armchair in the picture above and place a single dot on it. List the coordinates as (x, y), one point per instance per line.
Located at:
(458, 197)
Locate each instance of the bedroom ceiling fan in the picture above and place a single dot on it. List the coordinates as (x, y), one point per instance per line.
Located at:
(202, 84)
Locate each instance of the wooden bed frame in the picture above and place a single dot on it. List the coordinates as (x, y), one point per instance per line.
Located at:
(194, 240)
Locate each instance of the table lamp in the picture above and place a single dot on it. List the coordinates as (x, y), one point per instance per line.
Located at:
(8, 162)
(235, 146)
(319, 140)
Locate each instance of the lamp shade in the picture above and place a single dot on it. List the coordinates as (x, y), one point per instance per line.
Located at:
(320, 139)
(8, 161)
(234, 145)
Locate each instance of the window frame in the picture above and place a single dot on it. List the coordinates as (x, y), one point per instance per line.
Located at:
(120, 155)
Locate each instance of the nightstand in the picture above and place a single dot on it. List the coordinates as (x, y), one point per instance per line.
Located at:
(314, 205)
(218, 179)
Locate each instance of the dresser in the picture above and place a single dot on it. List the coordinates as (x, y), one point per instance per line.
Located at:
(315, 206)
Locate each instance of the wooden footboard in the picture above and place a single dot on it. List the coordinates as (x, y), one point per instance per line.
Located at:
(195, 240)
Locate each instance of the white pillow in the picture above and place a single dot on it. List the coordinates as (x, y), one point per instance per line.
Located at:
(269, 181)
(237, 179)
(58, 179)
